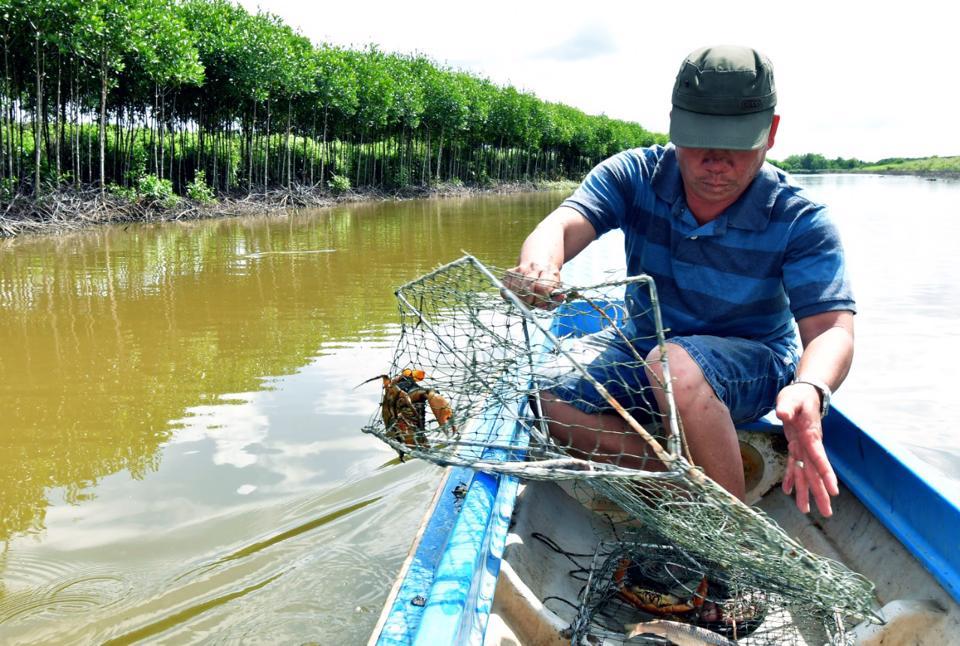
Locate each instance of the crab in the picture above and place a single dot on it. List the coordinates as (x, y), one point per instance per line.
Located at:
(404, 408)
(640, 593)
(653, 598)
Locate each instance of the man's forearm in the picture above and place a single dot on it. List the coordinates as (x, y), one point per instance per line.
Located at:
(557, 239)
(544, 246)
(827, 347)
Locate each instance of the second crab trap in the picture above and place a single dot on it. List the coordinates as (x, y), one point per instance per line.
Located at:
(474, 379)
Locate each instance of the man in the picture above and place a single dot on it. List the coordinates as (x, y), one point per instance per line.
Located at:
(737, 253)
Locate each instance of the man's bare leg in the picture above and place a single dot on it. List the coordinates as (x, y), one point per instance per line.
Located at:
(604, 436)
(707, 426)
(706, 420)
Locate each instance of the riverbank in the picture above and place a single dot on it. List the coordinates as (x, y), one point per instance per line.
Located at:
(73, 209)
(925, 174)
(927, 167)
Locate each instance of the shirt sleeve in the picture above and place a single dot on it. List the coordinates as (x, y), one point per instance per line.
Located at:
(814, 270)
(607, 192)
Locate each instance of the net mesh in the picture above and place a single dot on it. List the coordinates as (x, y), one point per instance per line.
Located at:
(658, 593)
(481, 380)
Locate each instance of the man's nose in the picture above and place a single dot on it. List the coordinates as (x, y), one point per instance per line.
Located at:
(715, 159)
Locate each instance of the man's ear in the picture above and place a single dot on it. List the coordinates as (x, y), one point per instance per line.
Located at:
(773, 131)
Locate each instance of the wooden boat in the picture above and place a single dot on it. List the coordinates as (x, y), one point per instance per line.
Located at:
(479, 569)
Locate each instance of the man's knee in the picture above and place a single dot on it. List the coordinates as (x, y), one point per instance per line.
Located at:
(686, 375)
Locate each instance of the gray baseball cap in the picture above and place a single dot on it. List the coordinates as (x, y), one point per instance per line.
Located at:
(723, 98)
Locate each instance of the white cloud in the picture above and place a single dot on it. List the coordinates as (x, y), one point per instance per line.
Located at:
(588, 43)
(233, 427)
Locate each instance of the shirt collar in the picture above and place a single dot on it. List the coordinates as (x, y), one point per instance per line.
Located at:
(751, 211)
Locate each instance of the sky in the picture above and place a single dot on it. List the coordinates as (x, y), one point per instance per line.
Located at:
(854, 79)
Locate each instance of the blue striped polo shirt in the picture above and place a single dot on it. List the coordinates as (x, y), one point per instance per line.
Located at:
(770, 258)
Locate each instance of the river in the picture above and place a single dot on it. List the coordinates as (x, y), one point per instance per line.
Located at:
(180, 449)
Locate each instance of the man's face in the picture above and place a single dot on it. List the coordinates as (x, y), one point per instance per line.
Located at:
(716, 176)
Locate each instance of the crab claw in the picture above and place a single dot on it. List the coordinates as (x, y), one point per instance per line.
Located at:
(441, 409)
(701, 594)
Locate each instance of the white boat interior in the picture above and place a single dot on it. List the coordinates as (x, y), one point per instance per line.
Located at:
(536, 595)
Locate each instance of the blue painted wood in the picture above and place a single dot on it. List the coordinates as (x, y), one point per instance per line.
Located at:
(405, 616)
(459, 601)
(457, 561)
(921, 517)
(479, 611)
(447, 600)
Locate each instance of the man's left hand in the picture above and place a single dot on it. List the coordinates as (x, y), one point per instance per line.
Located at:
(808, 469)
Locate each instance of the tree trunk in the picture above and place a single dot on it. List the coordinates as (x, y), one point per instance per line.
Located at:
(323, 154)
(266, 150)
(286, 140)
(8, 114)
(103, 120)
(38, 120)
(359, 159)
(439, 153)
(161, 134)
(313, 144)
(253, 129)
(58, 127)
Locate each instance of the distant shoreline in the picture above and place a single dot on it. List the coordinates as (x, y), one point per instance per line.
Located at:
(72, 210)
(947, 174)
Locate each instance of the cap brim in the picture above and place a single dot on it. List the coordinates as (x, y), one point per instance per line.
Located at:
(740, 132)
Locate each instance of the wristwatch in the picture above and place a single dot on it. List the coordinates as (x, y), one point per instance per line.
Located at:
(822, 388)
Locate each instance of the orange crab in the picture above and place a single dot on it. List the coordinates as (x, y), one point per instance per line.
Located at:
(655, 602)
(653, 598)
(404, 407)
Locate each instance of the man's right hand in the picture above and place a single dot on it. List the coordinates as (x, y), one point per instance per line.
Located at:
(535, 284)
(555, 241)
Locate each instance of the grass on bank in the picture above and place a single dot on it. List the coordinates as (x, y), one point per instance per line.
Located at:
(932, 165)
(814, 163)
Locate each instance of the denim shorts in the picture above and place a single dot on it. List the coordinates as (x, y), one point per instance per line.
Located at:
(745, 375)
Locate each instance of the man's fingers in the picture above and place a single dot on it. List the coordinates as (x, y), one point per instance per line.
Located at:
(820, 496)
(802, 487)
(818, 461)
(809, 474)
(534, 285)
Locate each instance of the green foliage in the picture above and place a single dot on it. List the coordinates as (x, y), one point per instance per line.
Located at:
(155, 190)
(124, 192)
(813, 163)
(198, 190)
(184, 85)
(339, 183)
(931, 165)
(8, 188)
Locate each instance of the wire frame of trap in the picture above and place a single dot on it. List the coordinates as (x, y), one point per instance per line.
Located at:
(656, 593)
(490, 360)
(495, 363)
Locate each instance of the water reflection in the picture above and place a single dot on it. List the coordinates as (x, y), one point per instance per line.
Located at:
(109, 335)
(167, 390)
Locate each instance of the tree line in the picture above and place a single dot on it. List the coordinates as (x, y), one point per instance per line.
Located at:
(811, 162)
(201, 94)
(815, 163)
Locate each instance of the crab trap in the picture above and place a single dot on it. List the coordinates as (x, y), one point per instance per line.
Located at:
(648, 592)
(482, 380)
